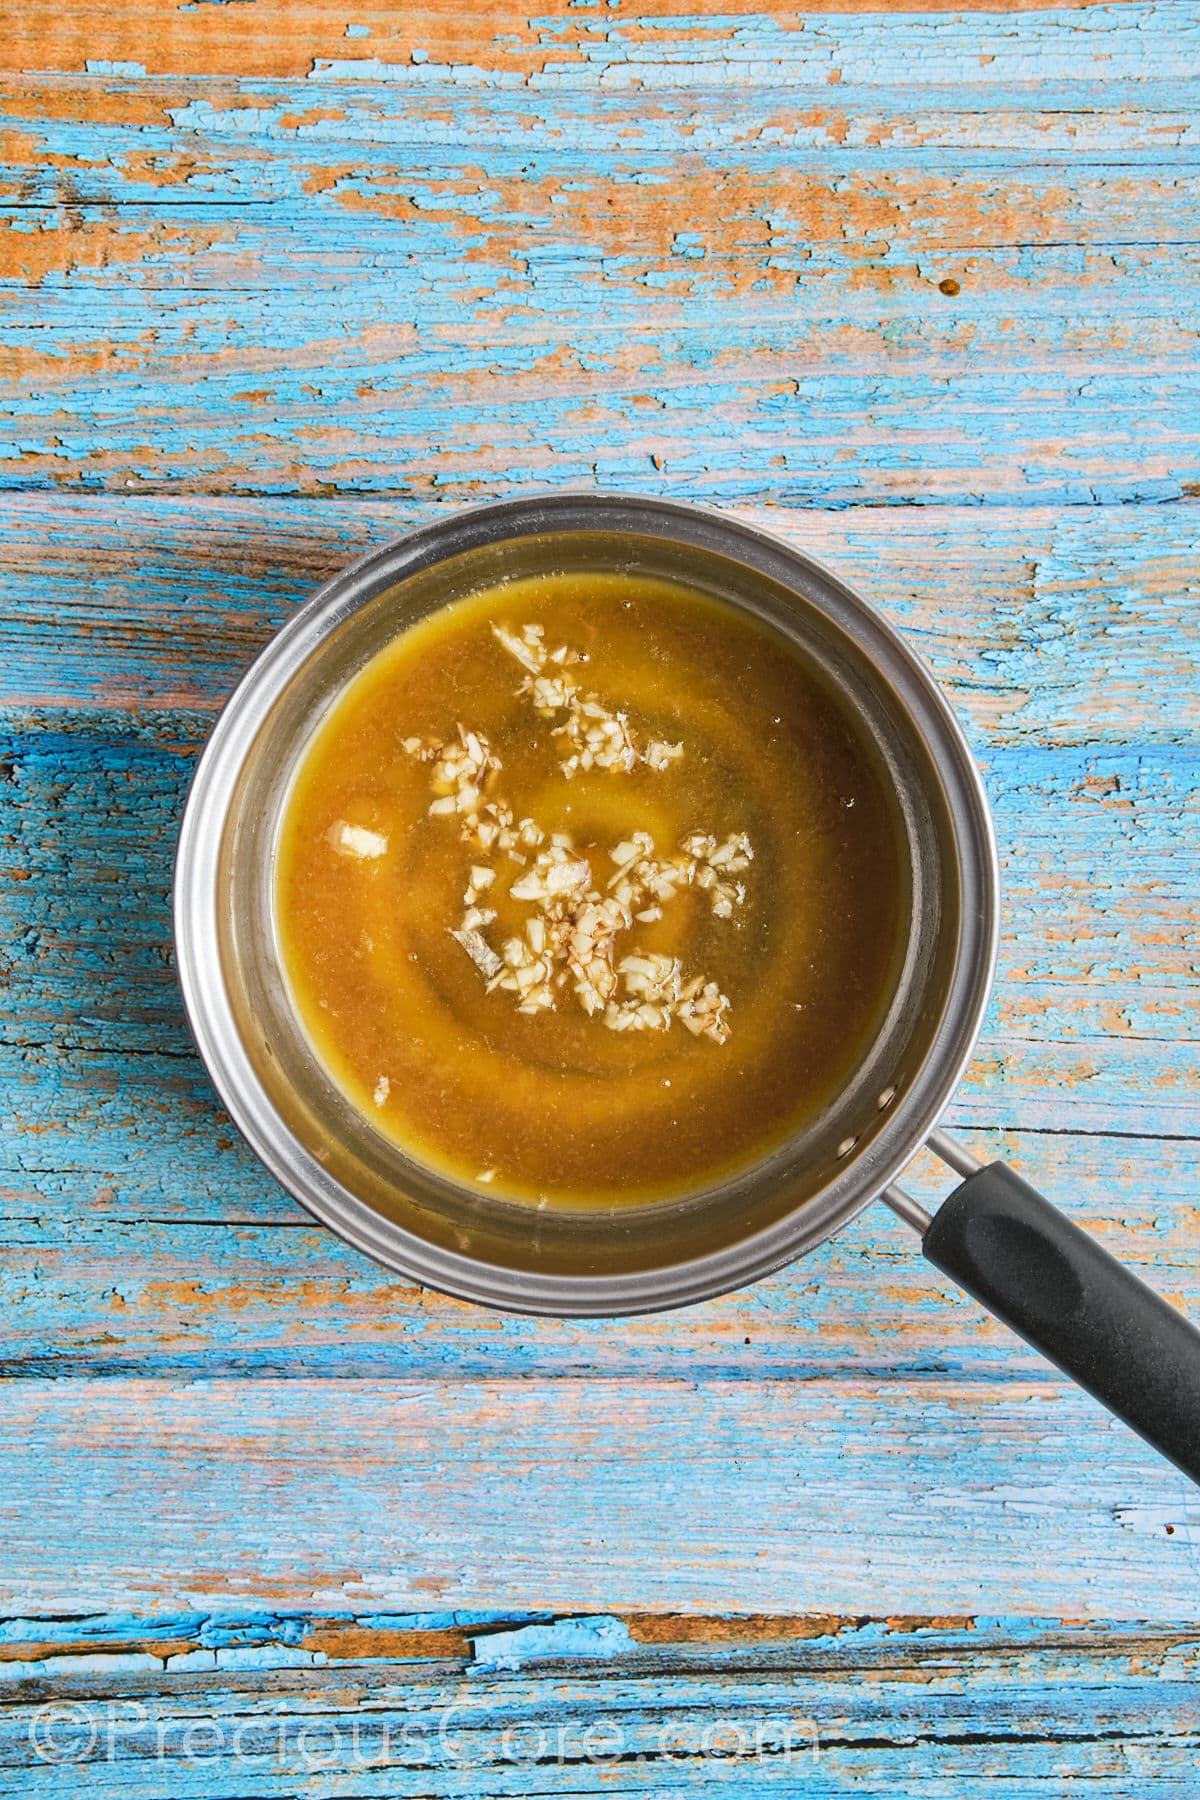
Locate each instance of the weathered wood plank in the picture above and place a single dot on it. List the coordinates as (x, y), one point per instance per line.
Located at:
(648, 1495)
(284, 1706)
(190, 1261)
(457, 282)
(757, 413)
(651, 41)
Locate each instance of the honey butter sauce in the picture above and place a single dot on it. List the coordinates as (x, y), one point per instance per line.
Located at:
(589, 890)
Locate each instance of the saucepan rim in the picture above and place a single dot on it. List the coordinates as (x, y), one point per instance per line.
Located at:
(861, 1177)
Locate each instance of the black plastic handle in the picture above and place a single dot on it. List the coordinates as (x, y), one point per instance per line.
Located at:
(1075, 1303)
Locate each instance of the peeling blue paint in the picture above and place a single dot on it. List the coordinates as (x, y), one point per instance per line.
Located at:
(97, 66)
(575, 1640)
(1058, 375)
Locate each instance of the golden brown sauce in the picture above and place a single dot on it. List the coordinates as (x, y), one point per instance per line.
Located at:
(554, 1105)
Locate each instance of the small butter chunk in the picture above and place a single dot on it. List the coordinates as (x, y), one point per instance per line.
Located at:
(383, 1088)
(356, 840)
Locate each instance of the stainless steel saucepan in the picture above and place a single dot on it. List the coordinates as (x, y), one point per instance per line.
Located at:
(1050, 1281)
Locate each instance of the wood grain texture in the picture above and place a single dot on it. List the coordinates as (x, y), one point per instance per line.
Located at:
(369, 1705)
(279, 280)
(660, 1494)
(664, 258)
(562, 41)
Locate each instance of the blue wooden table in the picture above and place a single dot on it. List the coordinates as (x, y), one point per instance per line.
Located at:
(920, 291)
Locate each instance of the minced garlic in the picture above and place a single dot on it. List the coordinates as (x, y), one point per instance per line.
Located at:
(571, 937)
(595, 736)
(459, 770)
